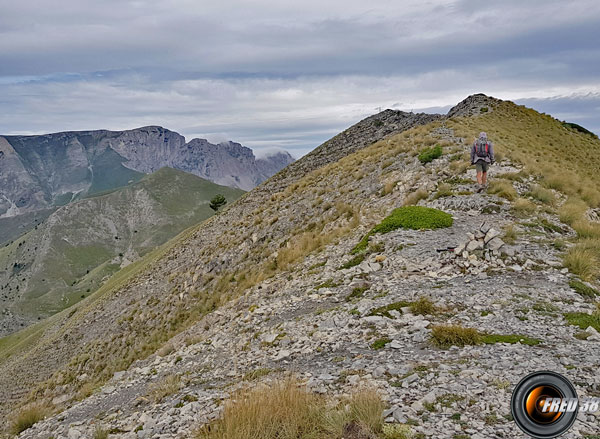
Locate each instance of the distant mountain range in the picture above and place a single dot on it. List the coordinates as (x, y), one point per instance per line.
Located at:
(75, 207)
(80, 245)
(45, 171)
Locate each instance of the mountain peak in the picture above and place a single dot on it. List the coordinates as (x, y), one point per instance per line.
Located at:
(472, 105)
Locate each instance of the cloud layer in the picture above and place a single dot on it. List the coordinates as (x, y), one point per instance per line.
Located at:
(271, 74)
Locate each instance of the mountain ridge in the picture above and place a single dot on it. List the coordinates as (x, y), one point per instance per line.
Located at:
(41, 171)
(356, 137)
(271, 284)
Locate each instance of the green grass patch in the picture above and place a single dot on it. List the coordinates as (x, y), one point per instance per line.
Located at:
(445, 336)
(583, 320)
(430, 154)
(384, 311)
(329, 283)
(354, 261)
(380, 343)
(356, 294)
(408, 217)
(583, 289)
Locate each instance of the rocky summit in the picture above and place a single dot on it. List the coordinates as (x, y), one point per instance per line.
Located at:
(371, 263)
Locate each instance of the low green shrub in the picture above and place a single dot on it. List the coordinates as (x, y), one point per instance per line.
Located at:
(430, 154)
(408, 217)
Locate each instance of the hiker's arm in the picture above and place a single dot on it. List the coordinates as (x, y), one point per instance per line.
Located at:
(492, 152)
(473, 153)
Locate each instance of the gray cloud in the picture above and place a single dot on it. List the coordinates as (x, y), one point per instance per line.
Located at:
(275, 74)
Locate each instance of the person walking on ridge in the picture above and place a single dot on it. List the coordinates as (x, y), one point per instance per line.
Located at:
(482, 156)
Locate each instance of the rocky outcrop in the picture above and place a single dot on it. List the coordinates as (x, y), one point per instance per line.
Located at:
(44, 171)
(358, 136)
(473, 105)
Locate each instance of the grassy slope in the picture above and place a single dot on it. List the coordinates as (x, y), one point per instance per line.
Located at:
(72, 260)
(564, 159)
(143, 328)
(13, 227)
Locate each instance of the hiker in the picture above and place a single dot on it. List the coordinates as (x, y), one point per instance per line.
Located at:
(482, 156)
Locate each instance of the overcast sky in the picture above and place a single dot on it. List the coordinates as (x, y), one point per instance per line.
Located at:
(287, 74)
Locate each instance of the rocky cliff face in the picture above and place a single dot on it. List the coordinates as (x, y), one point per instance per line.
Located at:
(38, 172)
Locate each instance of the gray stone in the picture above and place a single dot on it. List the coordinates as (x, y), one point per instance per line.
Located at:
(495, 243)
(474, 245)
(491, 234)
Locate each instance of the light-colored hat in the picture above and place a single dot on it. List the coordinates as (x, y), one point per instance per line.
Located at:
(483, 135)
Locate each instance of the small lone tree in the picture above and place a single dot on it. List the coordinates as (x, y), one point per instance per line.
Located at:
(217, 201)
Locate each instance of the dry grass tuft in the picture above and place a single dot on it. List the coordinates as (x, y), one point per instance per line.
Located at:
(586, 229)
(28, 416)
(523, 207)
(510, 234)
(166, 350)
(583, 262)
(504, 189)
(572, 210)
(388, 188)
(423, 306)
(100, 433)
(444, 190)
(165, 387)
(445, 336)
(415, 197)
(544, 196)
(288, 411)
